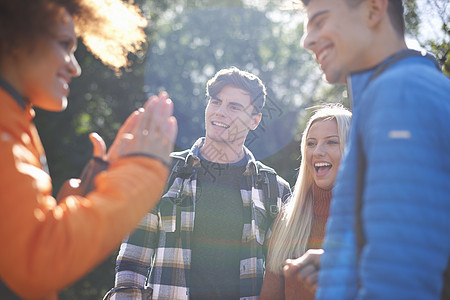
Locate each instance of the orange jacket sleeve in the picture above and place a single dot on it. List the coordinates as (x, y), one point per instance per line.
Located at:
(45, 245)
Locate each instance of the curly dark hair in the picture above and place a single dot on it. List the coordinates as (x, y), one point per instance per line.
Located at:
(109, 29)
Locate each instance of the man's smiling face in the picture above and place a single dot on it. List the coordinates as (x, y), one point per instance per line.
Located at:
(338, 37)
(229, 117)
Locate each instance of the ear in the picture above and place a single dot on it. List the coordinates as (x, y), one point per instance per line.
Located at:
(255, 121)
(377, 11)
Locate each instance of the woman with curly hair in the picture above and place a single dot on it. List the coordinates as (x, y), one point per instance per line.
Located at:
(47, 245)
(301, 223)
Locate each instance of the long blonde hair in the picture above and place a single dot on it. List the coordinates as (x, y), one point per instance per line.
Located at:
(293, 225)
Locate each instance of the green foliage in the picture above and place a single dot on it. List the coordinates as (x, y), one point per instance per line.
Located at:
(442, 49)
(435, 37)
(194, 43)
(412, 20)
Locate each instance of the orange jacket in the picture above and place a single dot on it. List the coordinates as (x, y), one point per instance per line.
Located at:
(46, 246)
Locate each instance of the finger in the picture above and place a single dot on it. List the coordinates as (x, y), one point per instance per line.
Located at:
(169, 139)
(311, 282)
(131, 122)
(313, 278)
(287, 272)
(166, 114)
(154, 115)
(315, 255)
(123, 143)
(148, 112)
(299, 262)
(306, 271)
(123, 135)
(172, 130)
(99, 145)
(161, 96)
(289, 268)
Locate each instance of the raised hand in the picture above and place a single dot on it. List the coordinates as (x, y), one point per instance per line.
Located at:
(149, 131)
(305, 269)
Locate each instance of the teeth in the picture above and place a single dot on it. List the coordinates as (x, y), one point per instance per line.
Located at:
(322, 164)
(63, 82)
(322, 55)
(220, 124)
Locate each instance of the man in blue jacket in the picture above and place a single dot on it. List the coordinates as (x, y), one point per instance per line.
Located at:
(388, 231)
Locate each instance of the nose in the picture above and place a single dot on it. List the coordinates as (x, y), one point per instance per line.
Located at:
(319, 151)
(307, 41)
(73, 66)
(221, 110)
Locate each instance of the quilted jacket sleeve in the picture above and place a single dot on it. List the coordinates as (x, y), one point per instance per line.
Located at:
(401, 125)
(406, 207)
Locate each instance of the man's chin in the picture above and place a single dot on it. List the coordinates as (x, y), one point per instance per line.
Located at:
(334, 77)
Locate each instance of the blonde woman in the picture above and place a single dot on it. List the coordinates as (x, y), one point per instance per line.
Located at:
(301, 224)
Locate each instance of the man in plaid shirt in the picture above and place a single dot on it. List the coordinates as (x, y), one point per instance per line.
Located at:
(207, 238)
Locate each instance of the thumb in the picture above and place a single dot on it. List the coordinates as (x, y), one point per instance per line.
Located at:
(289, 268)
(99, 145)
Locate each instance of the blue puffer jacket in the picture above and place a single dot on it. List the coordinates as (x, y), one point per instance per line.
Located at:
(401, 133)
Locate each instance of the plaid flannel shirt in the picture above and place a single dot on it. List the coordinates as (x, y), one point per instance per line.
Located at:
(161, 242)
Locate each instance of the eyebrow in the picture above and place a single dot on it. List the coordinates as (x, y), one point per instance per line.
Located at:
(327, 137)
(237, 104)
(316, 15)
(230, 103)
(69, 37)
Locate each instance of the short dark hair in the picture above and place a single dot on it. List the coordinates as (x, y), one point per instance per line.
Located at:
(239, 79)
(395, 12)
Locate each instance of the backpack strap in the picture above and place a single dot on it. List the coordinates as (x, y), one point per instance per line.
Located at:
(268, 178)
(401, 55)
(360, 178)
(176, 165)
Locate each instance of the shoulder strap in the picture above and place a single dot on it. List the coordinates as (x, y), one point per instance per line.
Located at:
(178, 159)
(146, 291)
(268, 178)
(401, 55)
(360, 177)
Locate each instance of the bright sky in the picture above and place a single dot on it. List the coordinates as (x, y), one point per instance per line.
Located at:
(431, 20)
(431, 12)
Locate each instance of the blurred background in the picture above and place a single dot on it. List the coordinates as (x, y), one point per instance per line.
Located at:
(188, 42)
